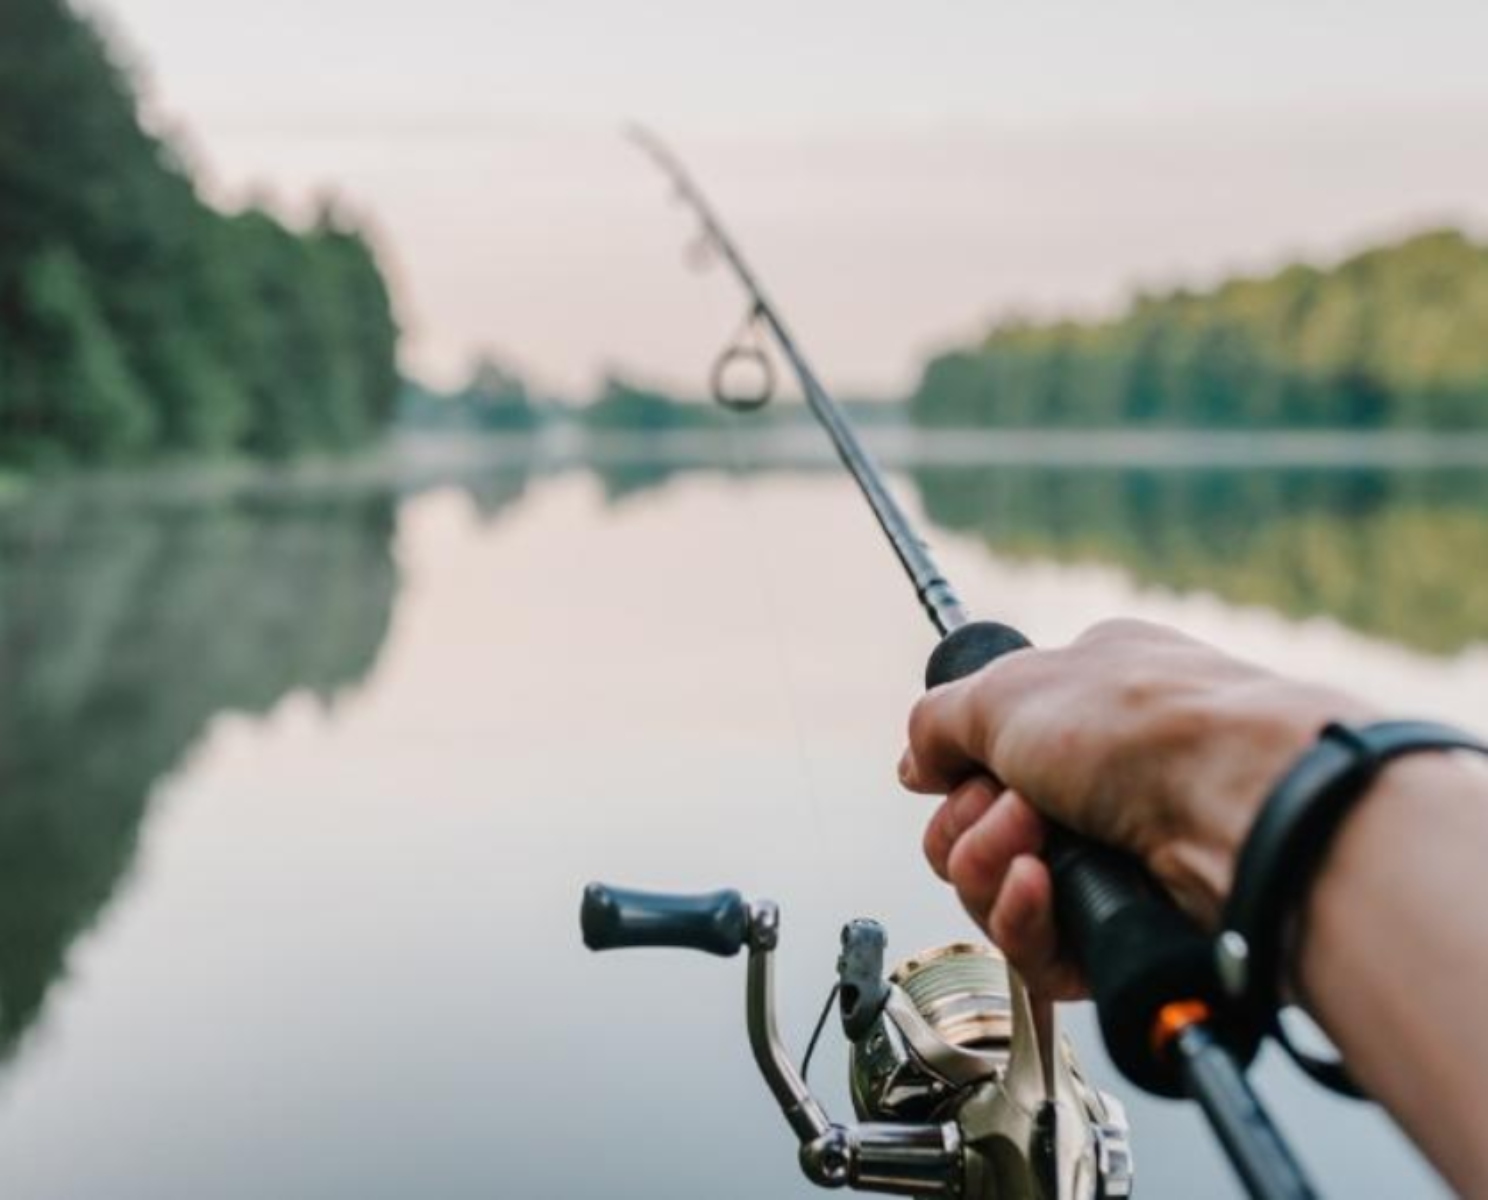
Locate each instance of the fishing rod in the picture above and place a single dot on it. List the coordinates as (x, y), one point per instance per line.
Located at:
(945, 610)
(961, 1082)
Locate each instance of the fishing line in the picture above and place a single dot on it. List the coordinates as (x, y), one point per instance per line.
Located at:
(769, 605)
(747, 346)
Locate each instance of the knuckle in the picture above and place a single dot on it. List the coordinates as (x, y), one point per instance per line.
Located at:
(963, 870)
(1006, 931)
(935, 846)
(1140, 688)
(921, 721)
(977, 862)
(999, 682)
(1117, 629)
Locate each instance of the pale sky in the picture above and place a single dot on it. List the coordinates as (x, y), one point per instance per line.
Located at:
(902, 173)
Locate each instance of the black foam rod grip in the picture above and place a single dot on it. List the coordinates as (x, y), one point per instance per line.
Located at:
(1138, 952)
(619, 918)
(967, 650)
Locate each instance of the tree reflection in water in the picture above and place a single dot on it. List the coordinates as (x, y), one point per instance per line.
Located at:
(130, 616)
(1400, 555)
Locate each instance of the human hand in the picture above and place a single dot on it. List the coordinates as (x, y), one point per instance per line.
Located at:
(1134, 735)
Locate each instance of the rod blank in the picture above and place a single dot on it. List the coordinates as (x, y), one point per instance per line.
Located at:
(936, 594)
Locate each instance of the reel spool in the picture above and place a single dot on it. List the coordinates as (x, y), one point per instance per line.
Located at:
(954, 1042)
(946, 1026)
(962, 991)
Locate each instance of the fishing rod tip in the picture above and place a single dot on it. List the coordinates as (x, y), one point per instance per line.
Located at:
(641, 134)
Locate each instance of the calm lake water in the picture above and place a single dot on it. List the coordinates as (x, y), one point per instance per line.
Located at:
(300, 781)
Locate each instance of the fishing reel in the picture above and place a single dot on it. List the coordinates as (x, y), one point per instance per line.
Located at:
(953, 1094)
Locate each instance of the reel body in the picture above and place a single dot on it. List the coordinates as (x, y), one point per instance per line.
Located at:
(945, 1073)
(954, 1042)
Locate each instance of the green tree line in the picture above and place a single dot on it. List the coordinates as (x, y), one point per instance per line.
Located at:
(496, 399)
(135, 318)
(1395, 337)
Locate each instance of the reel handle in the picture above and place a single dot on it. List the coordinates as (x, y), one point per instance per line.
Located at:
(1139, 953)
(621, 918)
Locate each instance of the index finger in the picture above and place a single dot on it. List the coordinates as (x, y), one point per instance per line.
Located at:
(952, 728)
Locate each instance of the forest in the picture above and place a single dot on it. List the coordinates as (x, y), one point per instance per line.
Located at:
(1394, 337)
(135, 319)
(495, 399)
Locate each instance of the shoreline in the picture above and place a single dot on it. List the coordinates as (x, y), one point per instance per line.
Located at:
(908, 447)
(413, 460)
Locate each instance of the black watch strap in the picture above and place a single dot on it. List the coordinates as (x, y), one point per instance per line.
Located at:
(1283, 851)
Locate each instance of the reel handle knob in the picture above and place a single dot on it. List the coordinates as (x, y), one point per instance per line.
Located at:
(1138, 952)
(620, 918)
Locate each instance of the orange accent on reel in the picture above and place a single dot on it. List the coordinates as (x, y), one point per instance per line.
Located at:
(1173, 1019)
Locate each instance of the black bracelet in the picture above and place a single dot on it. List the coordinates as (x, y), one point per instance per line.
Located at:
(1282, 854)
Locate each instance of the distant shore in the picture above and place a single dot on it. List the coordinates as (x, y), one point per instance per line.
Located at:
(413, 460)
(904, 446)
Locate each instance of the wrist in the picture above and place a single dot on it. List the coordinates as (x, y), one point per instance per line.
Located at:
(1390, 954)
(1248, 737)
(1376, 844)
(1295, 837)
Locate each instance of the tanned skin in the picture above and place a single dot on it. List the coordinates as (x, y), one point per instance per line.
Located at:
(1165, 747)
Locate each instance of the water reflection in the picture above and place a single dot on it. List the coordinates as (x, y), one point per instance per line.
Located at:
(126, 623)
(131, 616)
(133, 612)
(128, 620)
(1396, 554)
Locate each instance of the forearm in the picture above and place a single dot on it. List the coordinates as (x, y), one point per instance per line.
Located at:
(1393, 961)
